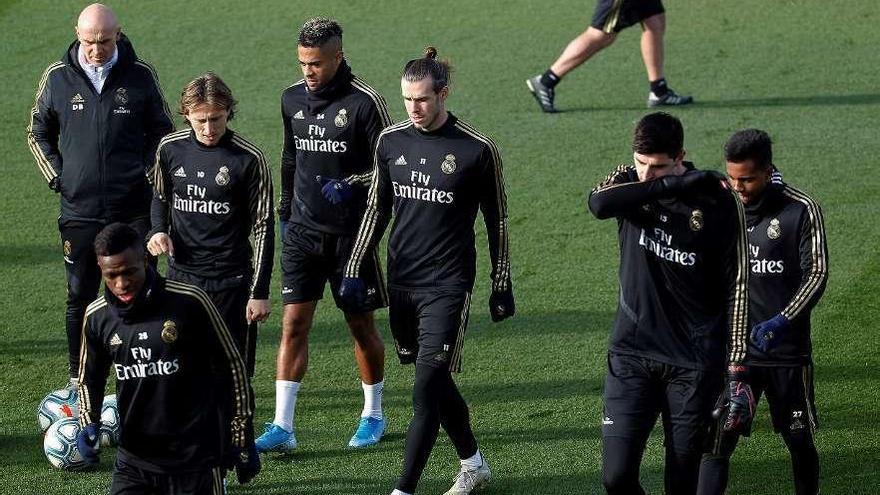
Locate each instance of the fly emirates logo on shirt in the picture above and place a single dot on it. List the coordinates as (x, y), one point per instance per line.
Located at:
(144, 365)
(659, 243)
(195, 202)
(420, 188)
(316, 141)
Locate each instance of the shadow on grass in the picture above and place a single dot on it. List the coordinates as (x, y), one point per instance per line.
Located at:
(767, 101)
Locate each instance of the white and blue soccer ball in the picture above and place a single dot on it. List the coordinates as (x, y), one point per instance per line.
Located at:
(109, 422)
(59, 445)
(59, 404)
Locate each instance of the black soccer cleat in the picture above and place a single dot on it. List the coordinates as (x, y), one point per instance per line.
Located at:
(543, 94)
(671, 98)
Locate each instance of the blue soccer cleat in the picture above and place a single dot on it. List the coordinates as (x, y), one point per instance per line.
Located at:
(276, 439)
(369, 432)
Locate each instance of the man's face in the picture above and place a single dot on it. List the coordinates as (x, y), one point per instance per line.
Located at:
(124, 273)
(98, 43)
(208, 122)
(655, 165)
(748, 180)
(318, 64)
(423, 105)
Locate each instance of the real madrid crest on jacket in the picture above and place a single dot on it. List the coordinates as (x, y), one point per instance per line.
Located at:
(329, 133)
(683, 273)
(99, 145)
(789, 268)
(435, 182)
(175, 364)
(217, 197)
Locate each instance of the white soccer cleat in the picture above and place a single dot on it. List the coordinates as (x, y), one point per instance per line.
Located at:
(468, 480)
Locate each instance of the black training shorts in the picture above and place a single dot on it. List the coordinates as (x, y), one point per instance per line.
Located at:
(310, 258)
(129, 479)
(429, 326)
(611, 16)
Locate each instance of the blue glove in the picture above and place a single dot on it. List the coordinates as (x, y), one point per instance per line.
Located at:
(353, 291)
(335, 191)
(87, 442)
(501, 305)
(767, 334)
(247, 463)
(742, 408)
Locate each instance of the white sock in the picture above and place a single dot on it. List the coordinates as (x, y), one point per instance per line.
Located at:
(473, 462)
(372, 400)
(398, 492)
(285, 403)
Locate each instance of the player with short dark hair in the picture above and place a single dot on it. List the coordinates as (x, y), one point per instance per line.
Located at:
(609, 18)
(177, 369)
(213, 192)
(98, 116)
(332, 119)
(682, 309)
(434, 171)
(789, 270)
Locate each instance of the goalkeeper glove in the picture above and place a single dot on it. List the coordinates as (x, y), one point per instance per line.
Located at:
(741, 402)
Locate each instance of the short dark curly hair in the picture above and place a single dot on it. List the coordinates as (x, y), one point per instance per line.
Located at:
(318, 31)
(750, 144)
(658, 132)
(116, 238)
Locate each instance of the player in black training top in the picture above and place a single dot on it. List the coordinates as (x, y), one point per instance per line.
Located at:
(177, 369)
(213, 191)
(434, 172)
(682, 309)
(789, 269)
(332, 119)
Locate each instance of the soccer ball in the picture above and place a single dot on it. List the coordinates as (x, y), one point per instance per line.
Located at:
(59, 445)
(58, 404)
(109, 422)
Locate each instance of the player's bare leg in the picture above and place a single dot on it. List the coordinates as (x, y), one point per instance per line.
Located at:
(291, 366)
(369, 352)
(581, 49)
(653, 30)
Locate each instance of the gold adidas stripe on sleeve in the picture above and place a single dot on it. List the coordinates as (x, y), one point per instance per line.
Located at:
(156, 174)
(378, 100)
(263, 208)
(84, 393)
(42, 160)
(240, 386)
(158, 87)
(818, 274)
(738, 312)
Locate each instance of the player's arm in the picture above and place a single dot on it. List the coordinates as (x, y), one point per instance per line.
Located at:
(735, 262)
(621, 193)
(160, 209)
(94, 364)
(376, 119)
(157, 118)
(43, 133)
(376, 216)
(814, 260)
(263, 226)
(493, 204)
(288, 168)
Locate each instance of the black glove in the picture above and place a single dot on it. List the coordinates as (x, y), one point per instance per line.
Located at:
(88, 443)
(741, 402)
(55, 184)
(247, 463)
(352, 291)
(501, 305)
(695, 179)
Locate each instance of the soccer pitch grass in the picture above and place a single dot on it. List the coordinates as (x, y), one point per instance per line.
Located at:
(805, 71)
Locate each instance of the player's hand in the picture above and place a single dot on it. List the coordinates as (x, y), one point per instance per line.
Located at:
(55, 184)
(160, 243)
(335, 191)
(247, 463)
(767, 334)
(695, 179)
(353, 291)
(501, 305)
(741, 408)
(88, 444)
(257, 310)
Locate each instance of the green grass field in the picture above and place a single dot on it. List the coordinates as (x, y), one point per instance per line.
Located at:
(805, 71)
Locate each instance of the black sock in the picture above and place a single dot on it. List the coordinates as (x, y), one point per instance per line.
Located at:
(550, 79)
(659, 87)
